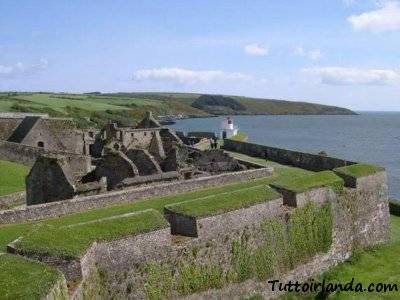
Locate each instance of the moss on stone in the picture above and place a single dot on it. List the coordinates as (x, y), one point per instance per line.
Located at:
(304, 183)
(359, 170)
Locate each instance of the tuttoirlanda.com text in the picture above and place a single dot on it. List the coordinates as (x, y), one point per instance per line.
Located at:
(326, 287)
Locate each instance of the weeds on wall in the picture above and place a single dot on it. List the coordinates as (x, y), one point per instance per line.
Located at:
(287, 243)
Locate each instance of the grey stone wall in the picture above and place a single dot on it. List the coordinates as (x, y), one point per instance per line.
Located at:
(64, 207)
(366, 226)
(12, 199)
(308, 161)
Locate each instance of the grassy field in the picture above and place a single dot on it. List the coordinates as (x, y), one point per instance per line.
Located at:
(24, 279)
(12, 177)
(127, 108)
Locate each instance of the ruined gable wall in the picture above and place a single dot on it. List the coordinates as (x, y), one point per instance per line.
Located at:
(7, 126)
(41, 133)
(27, 155)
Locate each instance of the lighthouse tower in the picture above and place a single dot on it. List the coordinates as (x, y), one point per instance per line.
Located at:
(228, 129)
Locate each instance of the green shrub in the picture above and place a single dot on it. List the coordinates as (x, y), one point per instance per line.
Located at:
(394, 207)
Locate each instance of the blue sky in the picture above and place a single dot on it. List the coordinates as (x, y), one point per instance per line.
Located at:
(340, 52)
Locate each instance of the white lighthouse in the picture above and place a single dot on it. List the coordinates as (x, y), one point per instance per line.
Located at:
(228, 129)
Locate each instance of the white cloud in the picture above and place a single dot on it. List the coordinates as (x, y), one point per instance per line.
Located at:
(185, 76)
(385, 18)
(353, 76)
(21, 70)
(310, 54)
(256, 50)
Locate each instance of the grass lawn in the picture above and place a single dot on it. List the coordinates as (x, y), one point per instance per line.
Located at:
(359, 170)
(25, 279)
(301, 184)
(71, 242)
(12, 177)
(226, 202)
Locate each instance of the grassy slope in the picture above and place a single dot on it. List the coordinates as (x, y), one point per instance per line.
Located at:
(374, 266)
(124, 107)
(25, 279)
(12, 177)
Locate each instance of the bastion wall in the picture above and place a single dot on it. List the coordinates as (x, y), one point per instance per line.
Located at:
(140, 267)
(308, 161)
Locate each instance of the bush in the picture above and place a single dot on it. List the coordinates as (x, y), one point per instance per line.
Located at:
(394, 207)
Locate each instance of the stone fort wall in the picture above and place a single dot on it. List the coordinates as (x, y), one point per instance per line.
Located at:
(308, 161)
(118, 269)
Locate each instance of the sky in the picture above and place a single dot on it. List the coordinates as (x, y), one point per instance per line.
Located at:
(337, 52)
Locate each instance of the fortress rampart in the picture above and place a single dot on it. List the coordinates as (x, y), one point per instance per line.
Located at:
(231, 245)
(225, 244)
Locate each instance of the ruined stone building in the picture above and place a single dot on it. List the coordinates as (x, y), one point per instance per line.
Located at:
(39, 130)
(118, 157)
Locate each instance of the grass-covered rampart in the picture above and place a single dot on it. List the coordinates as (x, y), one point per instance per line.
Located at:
(316, 180)
(359, 170)
(8, 233)
(72, 242)
(221, 203)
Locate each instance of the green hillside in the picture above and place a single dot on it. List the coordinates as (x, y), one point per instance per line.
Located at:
(94, 109)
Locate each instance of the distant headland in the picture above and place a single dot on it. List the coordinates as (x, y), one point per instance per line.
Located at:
(93, 109)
